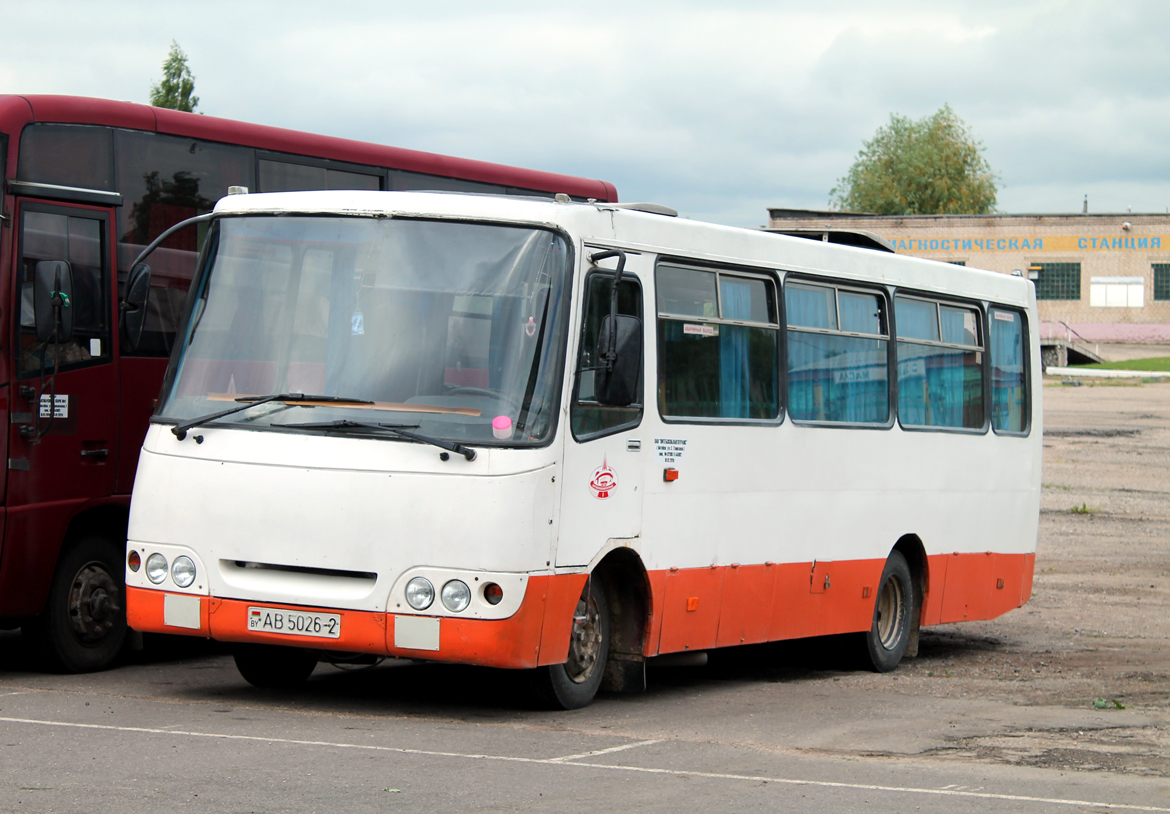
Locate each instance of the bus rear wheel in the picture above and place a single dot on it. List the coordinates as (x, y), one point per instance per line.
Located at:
(83, 626)
(889, 635)
(272, 667)
(573, 685)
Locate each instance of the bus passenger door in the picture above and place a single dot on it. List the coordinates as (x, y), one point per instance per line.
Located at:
(63, 431)
(601, 494)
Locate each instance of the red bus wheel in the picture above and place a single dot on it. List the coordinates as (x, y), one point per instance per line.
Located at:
(83, 626)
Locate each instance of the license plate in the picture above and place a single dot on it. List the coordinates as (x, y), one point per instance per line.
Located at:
(294, 623)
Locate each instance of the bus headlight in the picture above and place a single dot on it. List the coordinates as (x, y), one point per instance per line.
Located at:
(420, 593)
(456, 596)
(156, 568)
(183, 571)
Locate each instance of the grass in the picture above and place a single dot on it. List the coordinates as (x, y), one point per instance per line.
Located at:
(1156, 363)
(1084, 508)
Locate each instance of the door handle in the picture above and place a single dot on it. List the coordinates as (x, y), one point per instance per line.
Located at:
(100, 454)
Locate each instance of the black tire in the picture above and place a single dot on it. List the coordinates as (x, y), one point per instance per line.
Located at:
(272, 667)
(889, 635)
(573, 685)
(83, 626)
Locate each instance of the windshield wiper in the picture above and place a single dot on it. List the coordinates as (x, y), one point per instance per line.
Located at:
(397, 429)
(180, 430)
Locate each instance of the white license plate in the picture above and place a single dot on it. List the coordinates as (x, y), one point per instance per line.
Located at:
(294, 623)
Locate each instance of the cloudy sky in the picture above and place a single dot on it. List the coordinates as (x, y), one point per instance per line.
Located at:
(717, 109)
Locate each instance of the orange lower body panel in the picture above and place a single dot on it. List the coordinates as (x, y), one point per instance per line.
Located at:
(699, 608)
(535, 635)
(692, 609)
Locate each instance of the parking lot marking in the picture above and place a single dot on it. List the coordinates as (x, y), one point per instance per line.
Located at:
(608, 751)
(1018, 798)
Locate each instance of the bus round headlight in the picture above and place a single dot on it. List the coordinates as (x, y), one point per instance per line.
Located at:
(420, 593)
(156, 568)
(456, 596)
(183, 571)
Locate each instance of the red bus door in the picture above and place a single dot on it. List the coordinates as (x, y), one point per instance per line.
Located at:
(63, 440)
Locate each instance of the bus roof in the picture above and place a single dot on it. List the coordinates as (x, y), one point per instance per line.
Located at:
(626, 226)
(16, 111)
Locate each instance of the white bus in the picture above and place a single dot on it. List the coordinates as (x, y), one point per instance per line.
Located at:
(571, 437)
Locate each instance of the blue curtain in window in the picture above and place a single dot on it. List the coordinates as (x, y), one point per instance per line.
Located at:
(834, 377)
(734, 371)
(918, 399)
(810, 308)
(1007, 379)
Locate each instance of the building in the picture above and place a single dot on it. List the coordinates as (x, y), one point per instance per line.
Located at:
(1099, 278)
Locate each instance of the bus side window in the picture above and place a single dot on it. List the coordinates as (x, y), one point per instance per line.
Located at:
(718, 344)
(1008, 396)
(940, 364)
(58, 233)
(837, 354)
(588, 418)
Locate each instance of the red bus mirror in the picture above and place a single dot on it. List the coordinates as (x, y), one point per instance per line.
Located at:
(53, 300)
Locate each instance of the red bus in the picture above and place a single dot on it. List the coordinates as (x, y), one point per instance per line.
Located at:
(92, 182)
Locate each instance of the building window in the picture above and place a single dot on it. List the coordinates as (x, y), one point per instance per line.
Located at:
(1117, 292)
(1058, 281)
(1161, 281)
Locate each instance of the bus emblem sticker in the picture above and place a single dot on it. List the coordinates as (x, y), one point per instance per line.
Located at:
(603, 482)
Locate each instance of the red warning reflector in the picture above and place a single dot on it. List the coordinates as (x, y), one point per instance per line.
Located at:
(693, 604)
(669, 474)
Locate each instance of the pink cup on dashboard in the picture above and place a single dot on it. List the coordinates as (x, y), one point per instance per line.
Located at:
(502, 427)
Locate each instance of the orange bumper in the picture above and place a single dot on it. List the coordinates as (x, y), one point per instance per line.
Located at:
(537, 634)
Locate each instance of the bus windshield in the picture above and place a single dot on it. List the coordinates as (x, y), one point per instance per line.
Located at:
(453, 329)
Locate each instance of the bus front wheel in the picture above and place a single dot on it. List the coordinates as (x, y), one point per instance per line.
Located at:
(272, 667)
(889, 635)
(573, 685)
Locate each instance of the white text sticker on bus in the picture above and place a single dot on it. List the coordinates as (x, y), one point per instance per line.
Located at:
(670, 450)
(60, 406)
(604, 481)
(701, 330)
(1004, 316)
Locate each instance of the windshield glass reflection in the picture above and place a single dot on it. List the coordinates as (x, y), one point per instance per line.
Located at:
(456, 327)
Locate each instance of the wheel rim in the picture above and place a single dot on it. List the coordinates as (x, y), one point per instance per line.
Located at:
(585, 643)
(891, 613)
(94, 603)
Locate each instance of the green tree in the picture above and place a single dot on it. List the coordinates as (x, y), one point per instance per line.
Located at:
(177, 85)
(933, 166)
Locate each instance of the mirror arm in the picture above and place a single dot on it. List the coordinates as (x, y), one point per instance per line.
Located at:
(154, 244)
(611, 351)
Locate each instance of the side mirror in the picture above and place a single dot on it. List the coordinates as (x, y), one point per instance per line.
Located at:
(618, 387)
(53, 300)
(133, 306)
